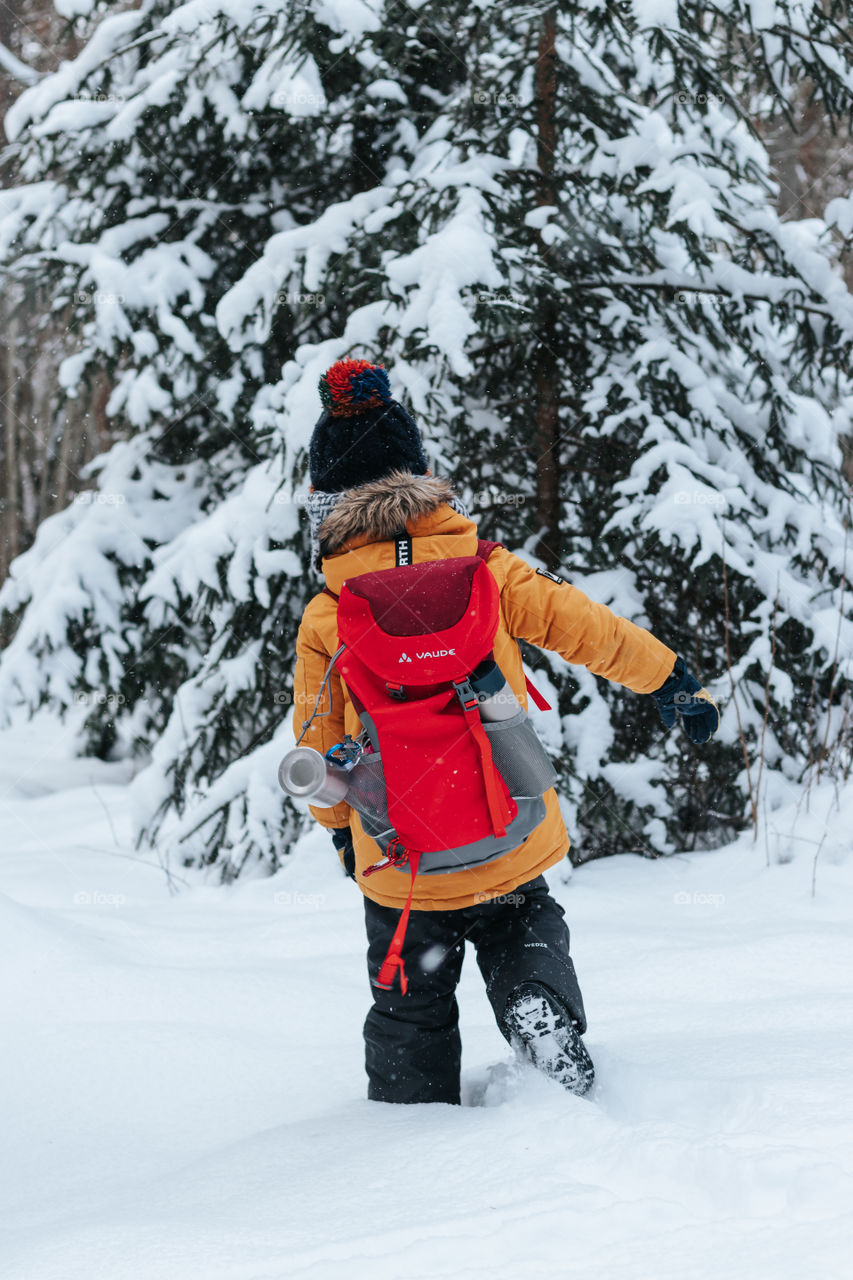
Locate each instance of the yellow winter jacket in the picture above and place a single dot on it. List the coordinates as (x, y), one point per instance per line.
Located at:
(357, 538)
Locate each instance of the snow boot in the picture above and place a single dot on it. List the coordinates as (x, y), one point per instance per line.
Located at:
(541, 1030)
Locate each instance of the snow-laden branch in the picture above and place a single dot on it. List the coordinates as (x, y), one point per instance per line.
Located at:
(16, 69)
(776, 292)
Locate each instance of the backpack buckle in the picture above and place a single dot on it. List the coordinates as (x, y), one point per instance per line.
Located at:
(395, 691)
(466, 694)
(396, 855)
(346, 753)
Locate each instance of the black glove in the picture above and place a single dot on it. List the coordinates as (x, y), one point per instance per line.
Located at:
(682, 692)
(342, 840)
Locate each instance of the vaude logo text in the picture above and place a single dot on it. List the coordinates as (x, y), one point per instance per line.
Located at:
(436, 653)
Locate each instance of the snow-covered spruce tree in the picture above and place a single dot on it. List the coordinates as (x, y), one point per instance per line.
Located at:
(553, 222)
(673, 359)
(654, 388)
(152, 171)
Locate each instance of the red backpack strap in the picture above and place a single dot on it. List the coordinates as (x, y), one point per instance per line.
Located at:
(327, 592)
(499, 811)
(394, 955)
(485, 548)
(542, 703)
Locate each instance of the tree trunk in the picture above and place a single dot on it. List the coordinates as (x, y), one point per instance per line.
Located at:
(548, 512)
(10, 497)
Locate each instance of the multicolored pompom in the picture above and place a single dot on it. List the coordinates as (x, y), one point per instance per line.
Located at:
(351, 386)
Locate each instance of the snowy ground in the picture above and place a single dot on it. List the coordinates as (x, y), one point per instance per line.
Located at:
(183, 1091)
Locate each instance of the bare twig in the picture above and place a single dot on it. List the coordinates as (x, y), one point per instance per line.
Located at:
(100, 800)
(814, 865)
(753, 799)
(823, 754)
(767, 701)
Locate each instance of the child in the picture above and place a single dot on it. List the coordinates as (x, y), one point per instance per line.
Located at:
(370, 480)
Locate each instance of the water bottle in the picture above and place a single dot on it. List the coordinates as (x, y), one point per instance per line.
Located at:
(306, 774)
(497, 700)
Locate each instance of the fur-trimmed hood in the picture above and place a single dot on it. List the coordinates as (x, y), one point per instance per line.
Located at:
(382, 508)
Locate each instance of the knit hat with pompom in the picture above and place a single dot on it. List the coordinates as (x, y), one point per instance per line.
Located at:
(362, 434)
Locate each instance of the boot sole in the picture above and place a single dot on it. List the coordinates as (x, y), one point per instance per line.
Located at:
(544, 1037)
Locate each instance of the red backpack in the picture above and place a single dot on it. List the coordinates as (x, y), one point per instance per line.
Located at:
(437, 787)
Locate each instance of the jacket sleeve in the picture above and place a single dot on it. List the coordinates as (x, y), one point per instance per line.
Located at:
(558, 616)
(326, 730)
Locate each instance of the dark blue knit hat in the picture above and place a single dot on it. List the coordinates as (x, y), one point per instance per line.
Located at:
(362, 434)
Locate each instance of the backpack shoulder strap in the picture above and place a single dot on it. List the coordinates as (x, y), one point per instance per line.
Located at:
(485, 548)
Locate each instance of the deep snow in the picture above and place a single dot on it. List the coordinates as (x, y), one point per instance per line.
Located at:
(183, 1090)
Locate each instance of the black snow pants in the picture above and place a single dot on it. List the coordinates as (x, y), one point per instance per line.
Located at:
(413, 1048)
